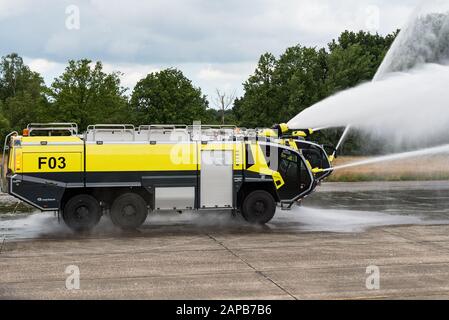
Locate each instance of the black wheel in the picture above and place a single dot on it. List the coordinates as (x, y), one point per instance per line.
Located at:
(129, 211)
(81, 213)
(258, 207)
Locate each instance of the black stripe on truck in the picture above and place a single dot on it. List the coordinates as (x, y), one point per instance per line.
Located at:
(141, 177)
(45, 190)
(145, 178)
(170, 178)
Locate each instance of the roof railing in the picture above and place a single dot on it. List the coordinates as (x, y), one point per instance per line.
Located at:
(110, 131)
(153, 132)
(53, 127)
(145, 127)
(211, 132)
(164, 132)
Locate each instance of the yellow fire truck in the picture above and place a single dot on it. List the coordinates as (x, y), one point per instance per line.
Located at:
(127, 172)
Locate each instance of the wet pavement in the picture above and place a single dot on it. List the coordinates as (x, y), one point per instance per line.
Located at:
(335, 207)
(318, 250)
(428, 200)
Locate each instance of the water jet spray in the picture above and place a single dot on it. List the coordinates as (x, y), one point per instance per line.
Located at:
(409, 88)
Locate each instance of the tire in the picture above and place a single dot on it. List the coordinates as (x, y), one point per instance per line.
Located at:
(129, 211)
(258, 207)
(82, 213)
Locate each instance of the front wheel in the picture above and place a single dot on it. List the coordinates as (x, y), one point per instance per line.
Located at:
(258, 207)
(129, 211)
(82, 213)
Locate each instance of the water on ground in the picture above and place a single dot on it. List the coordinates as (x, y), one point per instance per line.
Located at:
(335, 207)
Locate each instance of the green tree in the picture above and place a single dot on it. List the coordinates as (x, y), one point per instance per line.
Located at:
(301, 76)
(355, 58)
(259, 105)
(84, 94)
(281, 88)
(168, 97)
(4, 126)
(21, 93)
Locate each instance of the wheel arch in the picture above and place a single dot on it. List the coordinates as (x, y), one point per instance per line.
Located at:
(249, 187)
(107, 195)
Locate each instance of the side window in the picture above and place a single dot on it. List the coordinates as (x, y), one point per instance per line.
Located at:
(270, 153)
(289, 156)
(304, 173)
(288, 164)
(249, 159)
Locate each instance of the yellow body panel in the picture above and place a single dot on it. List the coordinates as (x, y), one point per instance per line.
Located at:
(51, 139)
(159, 157)
(261, 166)
(52, 162)
(67, 153)
(59, 154)
(140, 157)
(17, 161)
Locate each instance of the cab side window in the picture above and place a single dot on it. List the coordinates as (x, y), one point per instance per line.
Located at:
(288, 164)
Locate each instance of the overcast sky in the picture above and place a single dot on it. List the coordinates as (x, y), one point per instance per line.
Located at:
(215, 43)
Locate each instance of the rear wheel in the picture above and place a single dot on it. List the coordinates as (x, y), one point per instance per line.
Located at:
(258, 207)
(129, 211)
(82, 213)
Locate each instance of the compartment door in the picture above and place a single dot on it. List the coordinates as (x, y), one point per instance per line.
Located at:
(216, 178)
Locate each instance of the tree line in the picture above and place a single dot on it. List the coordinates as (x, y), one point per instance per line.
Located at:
(279, 88)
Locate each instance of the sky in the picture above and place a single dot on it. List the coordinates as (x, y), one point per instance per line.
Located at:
(215, 43)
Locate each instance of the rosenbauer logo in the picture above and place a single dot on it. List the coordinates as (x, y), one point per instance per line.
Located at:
(45, 199)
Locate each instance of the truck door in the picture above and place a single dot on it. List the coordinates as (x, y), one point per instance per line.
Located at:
(295, 174)
(216, 177)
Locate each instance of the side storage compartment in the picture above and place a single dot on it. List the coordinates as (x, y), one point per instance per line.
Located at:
(216, 179)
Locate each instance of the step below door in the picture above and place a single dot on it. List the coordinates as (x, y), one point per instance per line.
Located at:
(216, 179)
